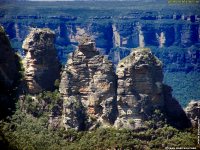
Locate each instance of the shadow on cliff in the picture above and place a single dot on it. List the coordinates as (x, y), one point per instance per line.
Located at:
(10, 89)
(175, 114)
(9, 94)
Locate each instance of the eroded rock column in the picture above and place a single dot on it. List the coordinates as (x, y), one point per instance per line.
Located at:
(139, 88)
(41, 64)
(88, 85)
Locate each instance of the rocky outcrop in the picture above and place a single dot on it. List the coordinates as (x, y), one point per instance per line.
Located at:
(88, 87)
(139, 88)
(193, 112)
(41, 63)
(94, 96)
(9, 73)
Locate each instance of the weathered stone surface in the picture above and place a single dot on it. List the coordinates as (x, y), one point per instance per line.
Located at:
(139, 87)
(41, 64)
(73, 113)
(88, 82)
(193, 112)
(92, 98)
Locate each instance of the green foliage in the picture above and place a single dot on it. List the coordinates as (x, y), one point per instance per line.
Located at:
(43, 103)
(57, 83)
(28, 128)
(20, 66)
(131, 121)
(182, 82)
(24, 131)
(27, 132)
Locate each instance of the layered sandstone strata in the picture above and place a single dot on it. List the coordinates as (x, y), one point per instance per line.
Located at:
(139, 88)
(88, 86)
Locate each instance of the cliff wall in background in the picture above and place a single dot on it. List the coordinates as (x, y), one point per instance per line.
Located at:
(178, 41)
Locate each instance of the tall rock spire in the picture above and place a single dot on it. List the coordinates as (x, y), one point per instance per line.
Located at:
(41, 63)
(88, 87)
(139, 88)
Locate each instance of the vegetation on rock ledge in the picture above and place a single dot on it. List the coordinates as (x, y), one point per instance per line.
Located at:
(28, 131)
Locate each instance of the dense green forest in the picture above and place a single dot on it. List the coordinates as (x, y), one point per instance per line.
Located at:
(29, 129)
(189, 80)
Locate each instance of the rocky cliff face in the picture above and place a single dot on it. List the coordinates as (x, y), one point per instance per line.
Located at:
(8, 65)
(193, 112)
(139, 88)
(93, 95)
(88, 87)
(9, 73)
(41, 63)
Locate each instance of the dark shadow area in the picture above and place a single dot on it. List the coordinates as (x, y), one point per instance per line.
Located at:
(175, 114)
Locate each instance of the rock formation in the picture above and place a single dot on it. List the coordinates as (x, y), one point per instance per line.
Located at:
(94, 96)
(9, 73)
(41, 63)
(172, 34)
(193, 112)
(139, 88)
(88, 86)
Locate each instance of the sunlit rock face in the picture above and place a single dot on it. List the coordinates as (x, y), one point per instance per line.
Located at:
(139, 88)
(88, 86)
(40, 62)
